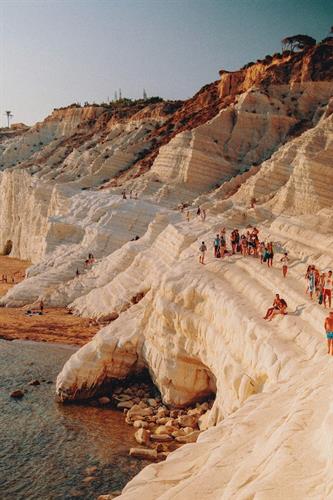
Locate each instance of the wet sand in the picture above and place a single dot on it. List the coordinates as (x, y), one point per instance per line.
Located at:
(55, 325)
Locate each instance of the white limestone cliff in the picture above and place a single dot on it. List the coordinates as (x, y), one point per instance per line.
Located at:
(198, 329)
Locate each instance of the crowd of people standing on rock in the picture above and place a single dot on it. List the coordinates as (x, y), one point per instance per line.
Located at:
(319, 285)
(246, 244)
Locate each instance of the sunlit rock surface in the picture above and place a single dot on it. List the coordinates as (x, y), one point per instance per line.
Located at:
(263, 132)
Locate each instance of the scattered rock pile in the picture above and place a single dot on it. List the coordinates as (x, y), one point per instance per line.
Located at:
(158, 429)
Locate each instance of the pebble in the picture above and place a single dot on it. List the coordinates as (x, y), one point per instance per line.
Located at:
(90, 470)
(89, 479)
(17, 394)
(34, 382)
(145, 453)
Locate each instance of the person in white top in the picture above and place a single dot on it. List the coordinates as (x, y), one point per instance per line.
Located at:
(327, 288)
(285, 261)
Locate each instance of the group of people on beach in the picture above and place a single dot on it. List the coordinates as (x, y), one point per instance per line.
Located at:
(15, 278)
(320, 285)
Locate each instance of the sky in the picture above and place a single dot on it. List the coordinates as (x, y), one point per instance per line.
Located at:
(56, 52)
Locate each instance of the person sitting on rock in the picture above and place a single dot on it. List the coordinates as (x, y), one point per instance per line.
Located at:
(282, 309)
(203, 250)
(328, 325)
(279, 307)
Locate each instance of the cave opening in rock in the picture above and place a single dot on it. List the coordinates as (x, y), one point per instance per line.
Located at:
(8, 247)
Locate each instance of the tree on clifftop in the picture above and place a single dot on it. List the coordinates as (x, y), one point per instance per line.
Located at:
(299, 42)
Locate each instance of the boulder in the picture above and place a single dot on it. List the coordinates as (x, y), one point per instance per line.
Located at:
(138, 424)
(152, 402)
(104, 400)
(136, 410)
(162, 420)
(145, 453)
(163, 455)
(203, 421)
(161, 437)
(142, 436)
(125, 404)
(189, 438)
(188, 420)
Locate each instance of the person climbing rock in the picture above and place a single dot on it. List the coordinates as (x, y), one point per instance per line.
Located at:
(328, 325)
(203, 250)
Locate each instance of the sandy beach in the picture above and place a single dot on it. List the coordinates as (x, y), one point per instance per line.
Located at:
(55, 325)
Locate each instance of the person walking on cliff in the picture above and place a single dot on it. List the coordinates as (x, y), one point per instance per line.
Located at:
(285, 260)
(217, 244)
(328, 325)
(327, 289)
(203, 250)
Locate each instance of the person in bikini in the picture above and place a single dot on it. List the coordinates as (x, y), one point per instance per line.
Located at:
(223, 244)
(327, 289)
(285, 260)
(244, 245)
(328, 325)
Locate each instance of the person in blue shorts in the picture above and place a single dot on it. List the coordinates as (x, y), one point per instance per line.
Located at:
(328, 325)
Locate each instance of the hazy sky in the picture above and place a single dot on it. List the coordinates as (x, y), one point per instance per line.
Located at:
(55, 52)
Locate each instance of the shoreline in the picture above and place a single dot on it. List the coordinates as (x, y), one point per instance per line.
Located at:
(56, 325)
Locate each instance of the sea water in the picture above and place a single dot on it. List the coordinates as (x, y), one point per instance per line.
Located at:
(45, 446)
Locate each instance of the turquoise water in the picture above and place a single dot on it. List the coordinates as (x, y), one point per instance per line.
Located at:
(45, 447)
